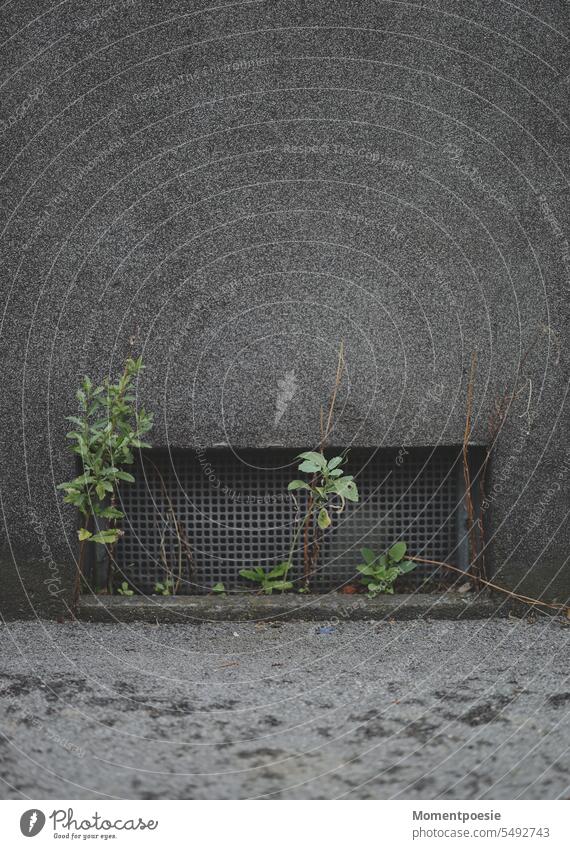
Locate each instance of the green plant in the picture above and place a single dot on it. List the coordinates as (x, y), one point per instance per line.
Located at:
(329, 483)
(275, 579)
(164, 587)
(380, 571)
(106, 431)
(219, 588)
(124, 589)
(328, 488)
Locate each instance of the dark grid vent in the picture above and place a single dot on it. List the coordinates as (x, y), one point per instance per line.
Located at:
(234, 512)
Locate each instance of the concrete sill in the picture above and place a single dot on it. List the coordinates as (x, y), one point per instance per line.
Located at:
(319, 608)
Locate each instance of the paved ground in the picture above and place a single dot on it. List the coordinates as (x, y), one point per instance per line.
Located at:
(408, 710)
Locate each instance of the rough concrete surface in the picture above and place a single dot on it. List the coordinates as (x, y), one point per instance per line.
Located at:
(405, 710)
(282, 608)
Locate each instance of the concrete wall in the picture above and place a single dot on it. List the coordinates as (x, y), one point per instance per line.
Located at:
(234, 190)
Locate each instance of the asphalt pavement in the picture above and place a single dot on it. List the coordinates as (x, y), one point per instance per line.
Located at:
(405, 710)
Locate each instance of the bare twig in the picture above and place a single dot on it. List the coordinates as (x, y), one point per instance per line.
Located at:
(472, 526)
(337, 382)
(560, 608)
(497, 419)
(182, 539)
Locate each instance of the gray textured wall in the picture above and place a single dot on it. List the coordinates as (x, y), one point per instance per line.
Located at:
(237, 188)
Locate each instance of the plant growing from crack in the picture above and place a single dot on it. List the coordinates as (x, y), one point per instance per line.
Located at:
(381, 570)
(329, 489)
(164, 587)
(106, 432)
(274, 579)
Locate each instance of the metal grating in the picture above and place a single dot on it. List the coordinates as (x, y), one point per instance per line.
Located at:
(235, 512)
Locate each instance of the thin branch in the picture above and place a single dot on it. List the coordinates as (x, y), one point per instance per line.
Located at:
(560, 608)
(471, 524)
(337, 382)
(182, 539)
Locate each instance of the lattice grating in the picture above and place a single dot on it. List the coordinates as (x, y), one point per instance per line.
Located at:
(235, 512)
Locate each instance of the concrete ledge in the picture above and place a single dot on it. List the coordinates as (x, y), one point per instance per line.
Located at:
(320, 608)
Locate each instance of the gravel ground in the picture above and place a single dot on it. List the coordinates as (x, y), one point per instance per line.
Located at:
(405, 710)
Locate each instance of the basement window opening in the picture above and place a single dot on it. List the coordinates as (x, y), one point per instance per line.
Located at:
(198, 517)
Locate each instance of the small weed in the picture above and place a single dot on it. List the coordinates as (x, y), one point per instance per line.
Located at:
(330, 488)
(380, 571)
(328, 491)
(275, 579)
(164, 587)
(124, 589)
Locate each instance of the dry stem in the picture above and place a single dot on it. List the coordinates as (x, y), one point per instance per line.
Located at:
(560, 608)
(183, 544)
(473, 528)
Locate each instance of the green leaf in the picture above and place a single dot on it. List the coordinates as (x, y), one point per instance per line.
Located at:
(280, 585)
(368, 555)
(336, 473)
(252, 574)
(324, 520)
(314, 457)
(346, 488)
(107, 537)
(80, 499)
(125, 476)
(336, 461)
(397, 551)
(83, 533)
(111, 513)
(309, 467)
(71, 490)
(367, 569)
(373, 590)
(298, 485)
(406, 566)
(219, 588)
(279, 570)
(83, 480)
